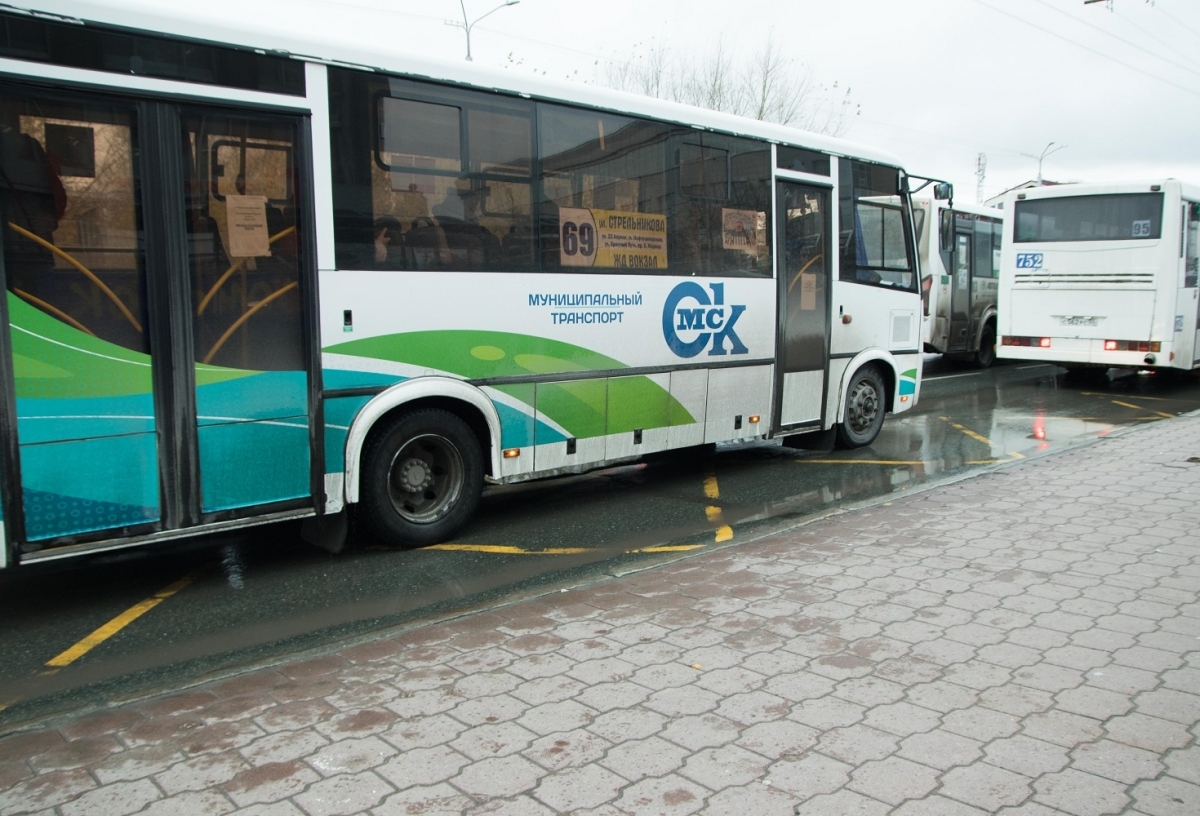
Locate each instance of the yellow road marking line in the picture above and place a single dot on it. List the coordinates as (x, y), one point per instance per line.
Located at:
(500, 549)
(967, 431)
(1140, 408)
(669, 548)
(713, 491)
(1151, 399)
(118, 623)
(860, 462)
(1016, 455)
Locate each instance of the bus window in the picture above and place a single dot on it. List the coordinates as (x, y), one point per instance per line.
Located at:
(874, 242)
(997, 237)
(238, 167)
(70, 217)
(801, 160)
(1192, 263)
(982, 266)
(429, 177)
(603, 183)
(1116, 217)
(718, 218)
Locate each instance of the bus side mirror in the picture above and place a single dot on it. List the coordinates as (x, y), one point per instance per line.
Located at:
(943, 191)
(946, 231)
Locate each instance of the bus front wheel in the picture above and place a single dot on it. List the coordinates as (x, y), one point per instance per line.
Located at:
(866, 404)
(422, 478)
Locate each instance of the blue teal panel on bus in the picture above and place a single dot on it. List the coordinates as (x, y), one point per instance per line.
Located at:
(262, 395)
(53, 420)
(89, 484)
(247, 463)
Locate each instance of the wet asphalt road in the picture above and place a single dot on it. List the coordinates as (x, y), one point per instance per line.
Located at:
(173, 615)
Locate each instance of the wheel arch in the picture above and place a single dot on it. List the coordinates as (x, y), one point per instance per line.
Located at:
(885, 362)
(990, 315)
(466, 401)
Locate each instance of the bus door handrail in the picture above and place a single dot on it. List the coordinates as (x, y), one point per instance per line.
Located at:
(89, 273)
(238, 264)
(246, 316)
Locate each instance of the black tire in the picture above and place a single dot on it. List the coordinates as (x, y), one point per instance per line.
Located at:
(986, 356)
(422, 476)
(866, 404)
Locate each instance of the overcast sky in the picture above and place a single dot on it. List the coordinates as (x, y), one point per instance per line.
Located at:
(937, 81)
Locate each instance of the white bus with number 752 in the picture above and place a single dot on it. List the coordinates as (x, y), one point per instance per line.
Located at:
(1097, 276)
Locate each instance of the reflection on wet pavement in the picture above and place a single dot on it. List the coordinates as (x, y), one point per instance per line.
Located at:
(265, 592)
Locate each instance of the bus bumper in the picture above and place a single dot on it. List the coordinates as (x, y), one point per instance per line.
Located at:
(1070, 351)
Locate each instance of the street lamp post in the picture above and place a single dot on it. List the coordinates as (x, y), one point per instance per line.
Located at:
(1046, 152)
(466, 25)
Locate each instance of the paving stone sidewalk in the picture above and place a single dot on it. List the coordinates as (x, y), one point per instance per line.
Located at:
(1026, 641)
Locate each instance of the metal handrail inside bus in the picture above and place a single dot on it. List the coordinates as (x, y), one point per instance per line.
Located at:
(246, 316)
(804, 269)
(238, 264)
(54, 310)
(89, 273)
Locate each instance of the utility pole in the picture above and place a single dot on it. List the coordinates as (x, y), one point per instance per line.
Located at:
(466, 25)
(980, 174)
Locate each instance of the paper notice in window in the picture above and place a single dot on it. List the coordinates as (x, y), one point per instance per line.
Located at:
(246, 218)
(741, 229)
(808, 291)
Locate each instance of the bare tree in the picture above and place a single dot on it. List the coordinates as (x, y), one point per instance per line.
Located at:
(770, 86)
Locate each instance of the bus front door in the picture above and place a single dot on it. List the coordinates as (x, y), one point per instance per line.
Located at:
(804, 284)
(960, 294)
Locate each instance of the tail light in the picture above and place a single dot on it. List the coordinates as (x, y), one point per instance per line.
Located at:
(1132, 345)
(1041, 342)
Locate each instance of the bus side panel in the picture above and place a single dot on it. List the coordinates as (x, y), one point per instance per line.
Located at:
(879, 318)
(734, 395)
(689, 405)
(384, 327)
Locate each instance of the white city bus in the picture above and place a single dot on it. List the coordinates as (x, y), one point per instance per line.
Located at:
(251, 279)
(1099, 276)
(959, 252)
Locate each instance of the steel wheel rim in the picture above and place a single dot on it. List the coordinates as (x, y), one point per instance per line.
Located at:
(862, 407)
(425, 478)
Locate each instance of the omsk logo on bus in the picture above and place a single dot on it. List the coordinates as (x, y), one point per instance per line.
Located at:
(692, 321)
(1029, 260)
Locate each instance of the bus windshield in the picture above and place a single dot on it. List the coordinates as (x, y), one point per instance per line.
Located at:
(1117, 217)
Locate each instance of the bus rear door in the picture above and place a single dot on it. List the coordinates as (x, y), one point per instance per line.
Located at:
(159, 370)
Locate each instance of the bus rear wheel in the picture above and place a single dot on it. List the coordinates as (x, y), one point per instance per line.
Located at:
(422, 478)
(866, 405)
